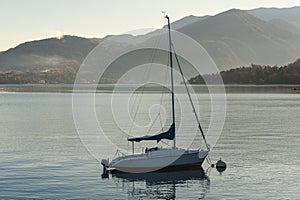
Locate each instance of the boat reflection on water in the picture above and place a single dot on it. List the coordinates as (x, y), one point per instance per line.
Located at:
(163, 185)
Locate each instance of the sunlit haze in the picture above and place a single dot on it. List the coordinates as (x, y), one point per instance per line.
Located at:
(23, 21)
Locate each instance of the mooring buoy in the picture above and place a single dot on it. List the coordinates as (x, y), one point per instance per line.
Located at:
(221, 166)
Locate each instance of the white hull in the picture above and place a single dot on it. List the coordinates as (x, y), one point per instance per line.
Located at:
(158, 160)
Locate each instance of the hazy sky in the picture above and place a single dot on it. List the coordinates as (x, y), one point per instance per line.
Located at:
(25, 20)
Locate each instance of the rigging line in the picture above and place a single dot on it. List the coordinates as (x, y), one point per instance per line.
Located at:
(144, 86)
(153, 123)
(159, 113)
(160, 121)
(167, 75)
(152, 59)
(190, 98)
(161, 102)
(208, 159)
(165, 143)
(162, 97)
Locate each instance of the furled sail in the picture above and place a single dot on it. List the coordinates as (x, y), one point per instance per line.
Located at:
(169, 135)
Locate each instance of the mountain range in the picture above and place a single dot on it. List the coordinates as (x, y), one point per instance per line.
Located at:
(234, 38)
(47, 54)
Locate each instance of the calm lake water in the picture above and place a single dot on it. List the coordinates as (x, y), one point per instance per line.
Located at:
(42, 157)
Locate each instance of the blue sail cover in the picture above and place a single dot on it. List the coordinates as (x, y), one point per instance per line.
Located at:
(169, 135)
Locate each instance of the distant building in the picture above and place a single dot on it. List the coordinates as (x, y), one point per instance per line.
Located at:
(45, 71)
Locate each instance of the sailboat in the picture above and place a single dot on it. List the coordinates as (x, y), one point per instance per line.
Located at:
(161, 159)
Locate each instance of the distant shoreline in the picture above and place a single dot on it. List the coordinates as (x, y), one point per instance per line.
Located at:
(128, 88)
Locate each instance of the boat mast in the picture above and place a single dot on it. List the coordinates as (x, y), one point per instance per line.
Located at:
(172, 81)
